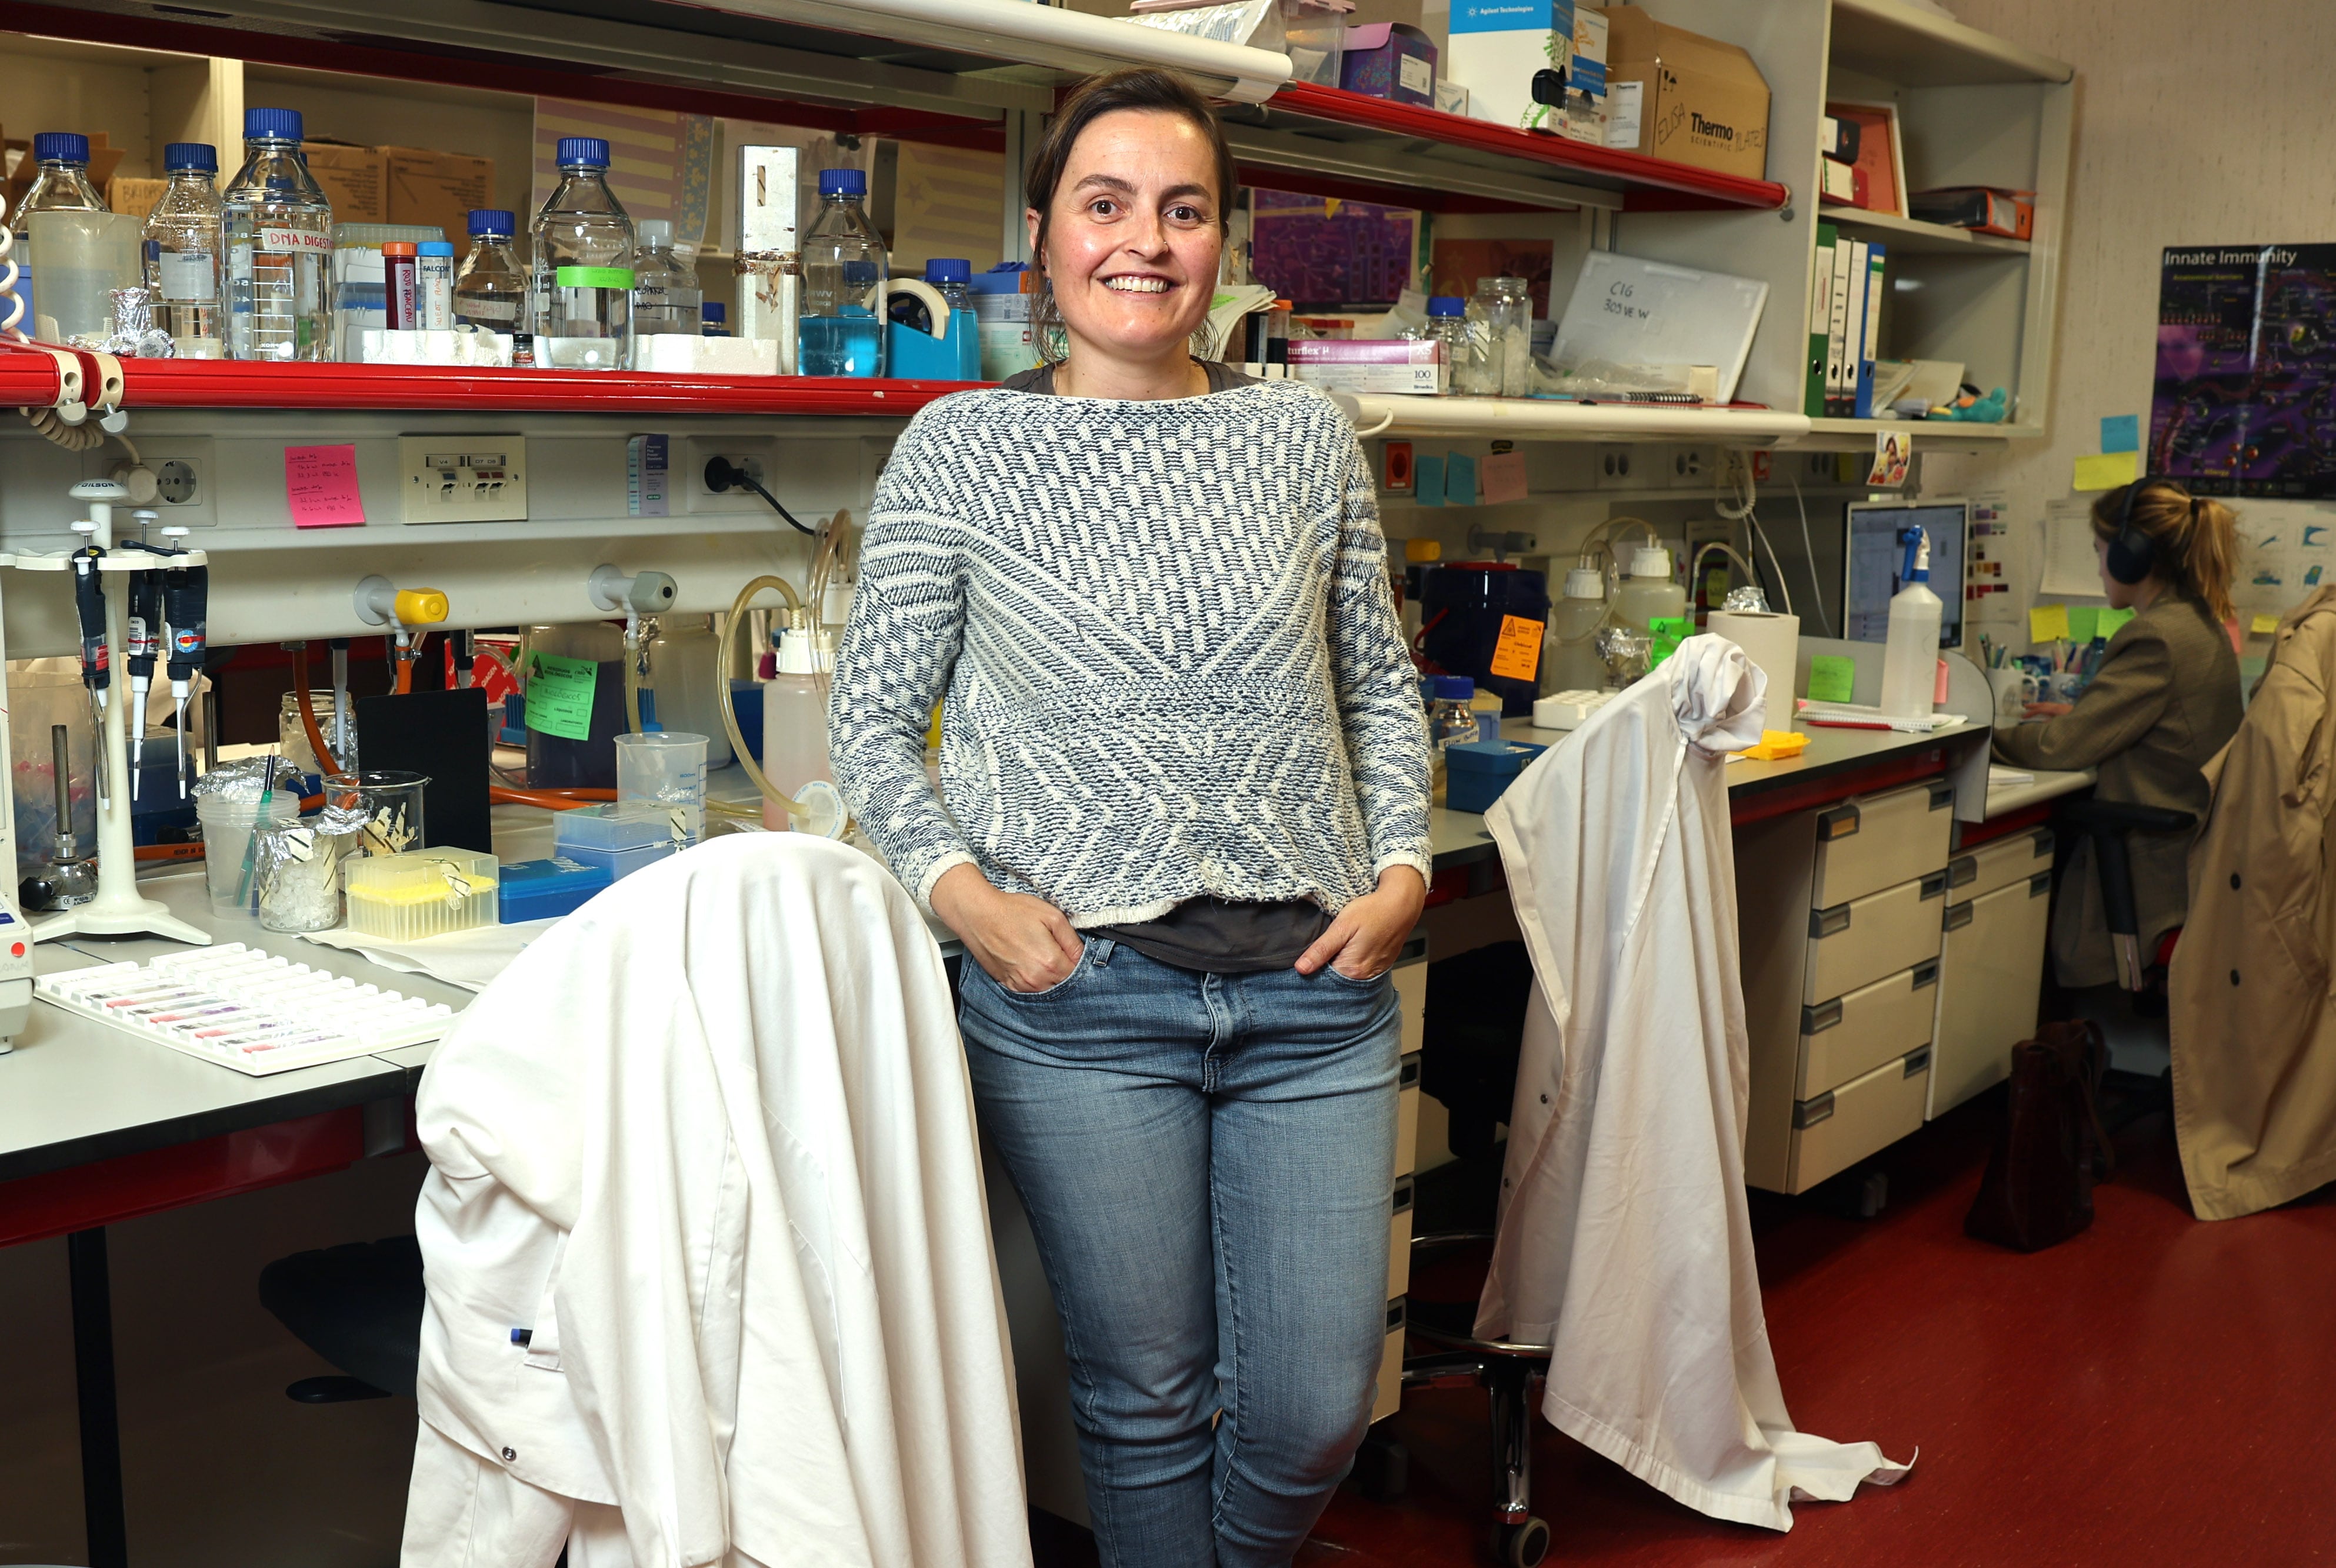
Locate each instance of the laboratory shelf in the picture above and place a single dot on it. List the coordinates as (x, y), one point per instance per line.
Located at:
(1545, 419)
(1917, 48)
(1928, 434)
(1447, 162)
(1912, 236)
(224, 383)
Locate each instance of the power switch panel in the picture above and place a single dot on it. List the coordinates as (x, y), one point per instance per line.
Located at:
(463, 478)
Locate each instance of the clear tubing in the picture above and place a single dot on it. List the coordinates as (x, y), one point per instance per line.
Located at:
(736, 618)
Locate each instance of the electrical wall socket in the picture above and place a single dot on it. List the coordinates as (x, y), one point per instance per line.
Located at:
(183, 478)
(463, 478)
(750, 452)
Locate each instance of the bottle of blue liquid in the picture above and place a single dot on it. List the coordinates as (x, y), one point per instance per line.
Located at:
(843, 267)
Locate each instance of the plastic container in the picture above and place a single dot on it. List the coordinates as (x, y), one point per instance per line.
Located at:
(1648, 592)
(683, 659)
(433, 284)
(227, 845)
(279, 246)
(1910, 658)
(584, 257)
(1447, 325)
(185, 234)
(545, 890)
(491, 291)
(666, 294)
(618, 839)
(1499, 363)
(1569, 650)
(296, 868)
(665, 772)
(1314, 34)
(843, 275)
(422, 893)
(392, 802)
(62, 185)
(1479, 771)
(618, 864)
(794, 725)
(1001, 315)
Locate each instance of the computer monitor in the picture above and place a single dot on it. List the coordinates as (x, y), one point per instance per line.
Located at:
(1875, 561)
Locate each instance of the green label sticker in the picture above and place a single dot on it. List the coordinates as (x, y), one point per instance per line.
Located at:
(592, 277)
(1669, 631)
(559, 695)
(1832, 677)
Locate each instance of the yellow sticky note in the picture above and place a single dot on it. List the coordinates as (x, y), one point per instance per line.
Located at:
(2047, 623)
(1517, 656)
(2263, 625)
(2106, 471)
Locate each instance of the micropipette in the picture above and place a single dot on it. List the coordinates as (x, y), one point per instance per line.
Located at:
(89, 600)
(145, 640)
(185, 592)
(340, 718)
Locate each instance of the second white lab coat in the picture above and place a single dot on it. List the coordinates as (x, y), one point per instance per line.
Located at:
(710, 1141)
(1625, 1241)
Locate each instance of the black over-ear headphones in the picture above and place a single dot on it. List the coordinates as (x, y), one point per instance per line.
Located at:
(2132, 552)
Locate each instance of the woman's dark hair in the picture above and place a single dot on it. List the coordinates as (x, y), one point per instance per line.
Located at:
(1140, 88)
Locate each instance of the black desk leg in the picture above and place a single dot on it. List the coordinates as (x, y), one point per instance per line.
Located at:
(101, 1422)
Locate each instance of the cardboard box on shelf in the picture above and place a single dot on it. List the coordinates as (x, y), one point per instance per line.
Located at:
(1585, 79)
(1389, 60)
(355, 180)
(1676, 94)
(1496, 48)
(438, 189)
(134, 194)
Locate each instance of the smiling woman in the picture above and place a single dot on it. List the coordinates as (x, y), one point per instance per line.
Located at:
(1181, 829)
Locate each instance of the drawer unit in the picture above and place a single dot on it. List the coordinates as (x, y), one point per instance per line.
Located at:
(1871, 843)
(1856, 943)
(1993, 965)
(1410, 977)
(1999, 864)
(1841, 1126)
(1407, 1116)
(1390, 1395)
(1399, 1240)
(1851, 1035)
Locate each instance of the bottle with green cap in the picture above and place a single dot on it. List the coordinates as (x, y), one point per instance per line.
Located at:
(279, 246)
(584, 265)
(181, 251)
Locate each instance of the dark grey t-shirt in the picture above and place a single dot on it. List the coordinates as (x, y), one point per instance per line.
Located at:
(1211, 934)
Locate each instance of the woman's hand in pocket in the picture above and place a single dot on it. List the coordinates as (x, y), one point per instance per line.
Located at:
(1024, 943)
(1363, 941)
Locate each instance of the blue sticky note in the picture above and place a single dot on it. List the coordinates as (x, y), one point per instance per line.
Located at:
(2121, 433)
(1460, 480)
(1427, 480)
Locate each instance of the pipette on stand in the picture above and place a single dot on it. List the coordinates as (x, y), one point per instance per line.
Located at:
(186, 593)
(96, 675)
(341, 716)
(145, 640)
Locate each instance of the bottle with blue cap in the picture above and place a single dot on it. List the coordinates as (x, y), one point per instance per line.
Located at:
(183, 238)
(491, 291)
(1447, 324)
(843, 275)
(666, 295)
(62, 185)
(279, 246)
(716, 318)
(583, 265)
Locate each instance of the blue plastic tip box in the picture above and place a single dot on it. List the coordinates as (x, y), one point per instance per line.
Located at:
(538, 890)
(1477, 772)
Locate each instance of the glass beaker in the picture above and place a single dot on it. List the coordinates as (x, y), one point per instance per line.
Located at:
(391, 802)
(227, 826)
(1500, 322)
(668, 771)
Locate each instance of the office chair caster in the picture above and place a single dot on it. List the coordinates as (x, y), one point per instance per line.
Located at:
(1522, 1545)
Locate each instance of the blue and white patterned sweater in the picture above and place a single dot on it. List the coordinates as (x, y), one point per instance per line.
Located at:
(1171, 660)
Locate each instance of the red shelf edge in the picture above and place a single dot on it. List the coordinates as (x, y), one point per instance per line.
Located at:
(1346, 108)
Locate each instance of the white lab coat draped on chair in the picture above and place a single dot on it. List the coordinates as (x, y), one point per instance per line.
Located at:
(1625, 1241)
(710, 1142)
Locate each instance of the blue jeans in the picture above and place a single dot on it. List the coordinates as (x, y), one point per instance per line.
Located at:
(1206, 1159)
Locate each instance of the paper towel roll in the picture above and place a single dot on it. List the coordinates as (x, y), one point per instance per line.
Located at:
(1772, 642)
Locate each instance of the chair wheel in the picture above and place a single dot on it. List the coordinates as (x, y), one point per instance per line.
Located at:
(1523, 1546)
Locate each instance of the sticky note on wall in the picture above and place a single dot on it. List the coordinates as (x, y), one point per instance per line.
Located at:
(2111, 622)
(2106, 471)
(1503, 475)
(320, 486)
(2121, 433)
(2083, 618)
(1833, 678)
(1427, 480)
(2048, 623)
(1460, 480)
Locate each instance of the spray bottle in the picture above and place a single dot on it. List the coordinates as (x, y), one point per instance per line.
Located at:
(1910, 661)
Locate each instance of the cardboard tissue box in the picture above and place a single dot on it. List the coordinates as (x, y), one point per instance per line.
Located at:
(1390, 60)
(465, 346)
(685, 354)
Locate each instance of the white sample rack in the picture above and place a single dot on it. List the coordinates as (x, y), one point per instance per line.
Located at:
(246, 1009)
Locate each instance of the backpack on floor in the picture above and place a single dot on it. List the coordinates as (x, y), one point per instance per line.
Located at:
(2038, 1187)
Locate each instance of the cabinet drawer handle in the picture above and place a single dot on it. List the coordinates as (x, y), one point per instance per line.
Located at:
(1959, 915)
(1926, 973)
(1406, 1073)
(1829, 923)
(1935, 886)
(1809, 1113)
(1965, 870)
(1840, 821)
(2039, 884)
(1395, 1314)
(1816, 1021)
(1942, 794)
(1918, 1061)
(1413, 948)
(2044, 842)
(1403, 1196)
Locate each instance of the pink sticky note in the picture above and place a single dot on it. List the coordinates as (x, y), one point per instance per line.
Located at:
(321, 482)
(1503, 477)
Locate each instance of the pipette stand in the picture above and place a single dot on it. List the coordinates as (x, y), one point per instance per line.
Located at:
(119, 910)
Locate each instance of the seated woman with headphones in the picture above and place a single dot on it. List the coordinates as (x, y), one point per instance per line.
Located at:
(2164, 700)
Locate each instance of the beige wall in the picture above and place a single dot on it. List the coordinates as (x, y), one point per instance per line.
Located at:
(2197, 123)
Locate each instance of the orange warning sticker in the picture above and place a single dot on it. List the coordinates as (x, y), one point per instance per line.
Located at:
(1518, 654)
